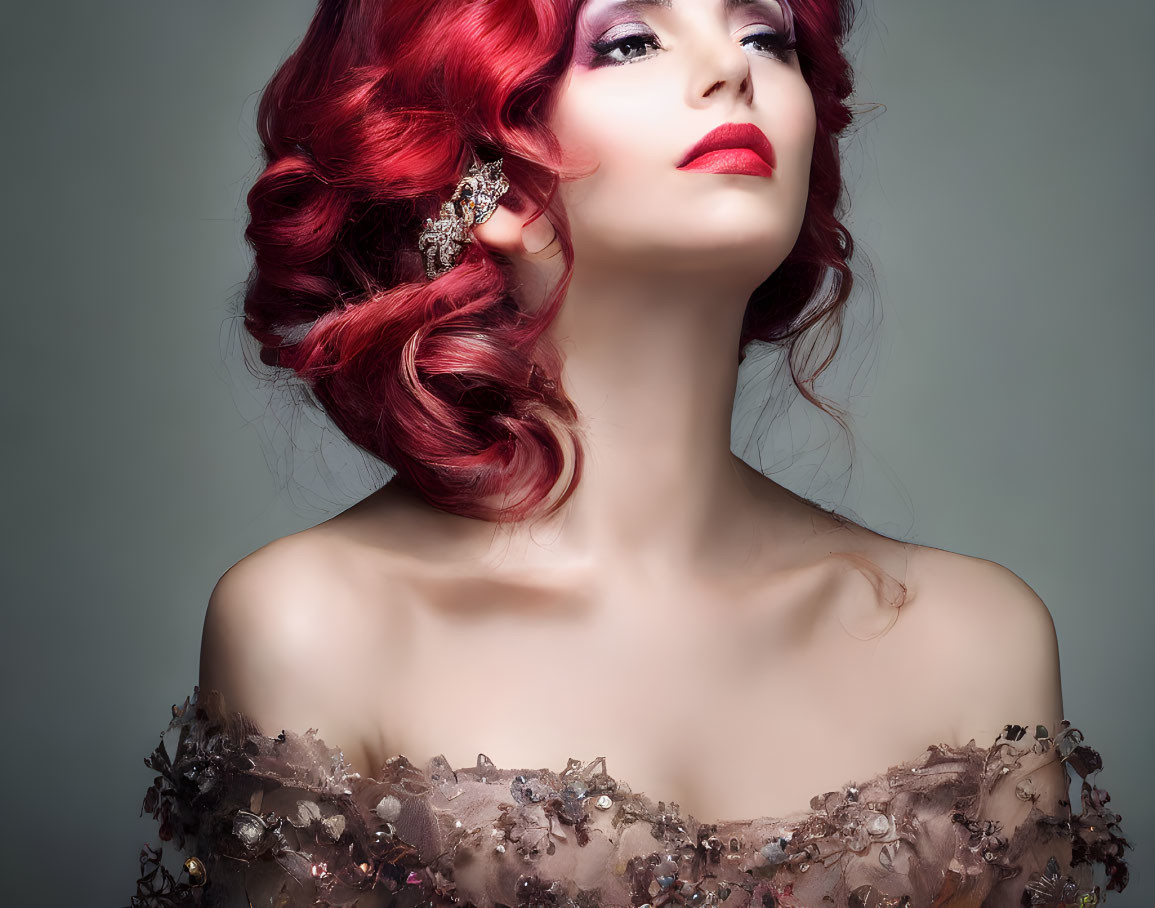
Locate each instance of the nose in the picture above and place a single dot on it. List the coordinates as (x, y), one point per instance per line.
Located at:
(721, 67)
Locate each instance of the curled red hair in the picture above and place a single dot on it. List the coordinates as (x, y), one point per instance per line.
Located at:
(366, 128)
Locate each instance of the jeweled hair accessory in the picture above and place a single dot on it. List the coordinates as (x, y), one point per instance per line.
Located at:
(472, 202)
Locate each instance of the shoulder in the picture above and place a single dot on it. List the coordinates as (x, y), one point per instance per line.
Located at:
(970, 592)
(288, 637)
(988, 640)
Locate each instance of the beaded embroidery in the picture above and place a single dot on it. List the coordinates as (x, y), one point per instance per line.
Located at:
(285, 821)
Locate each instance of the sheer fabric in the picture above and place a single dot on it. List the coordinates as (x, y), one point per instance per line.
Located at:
(283, 821)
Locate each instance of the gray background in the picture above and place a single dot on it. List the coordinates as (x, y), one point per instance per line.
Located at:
(1004, 196)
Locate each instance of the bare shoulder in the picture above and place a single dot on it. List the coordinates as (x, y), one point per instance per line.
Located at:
(287, 640)
(969, 592)
(985, 642)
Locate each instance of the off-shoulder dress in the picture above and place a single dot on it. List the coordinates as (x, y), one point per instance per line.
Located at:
(284, 821)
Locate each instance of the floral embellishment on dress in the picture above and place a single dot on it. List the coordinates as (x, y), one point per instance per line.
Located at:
(284, 820)
(1053, 889)
(984, 839)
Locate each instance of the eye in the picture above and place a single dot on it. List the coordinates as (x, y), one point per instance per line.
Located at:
(774, 44)
(626, 49)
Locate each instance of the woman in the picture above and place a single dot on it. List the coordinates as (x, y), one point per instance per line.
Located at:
(517, 249)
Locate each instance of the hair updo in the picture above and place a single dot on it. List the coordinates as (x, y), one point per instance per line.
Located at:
(366, 128)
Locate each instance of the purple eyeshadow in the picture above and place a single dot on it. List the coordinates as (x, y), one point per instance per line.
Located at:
(775, 13)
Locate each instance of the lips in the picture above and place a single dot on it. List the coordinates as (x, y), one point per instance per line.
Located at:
(729, 138)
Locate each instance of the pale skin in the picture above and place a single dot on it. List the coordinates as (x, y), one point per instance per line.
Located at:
(681, 615)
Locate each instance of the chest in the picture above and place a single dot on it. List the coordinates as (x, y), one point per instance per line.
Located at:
(730, 708)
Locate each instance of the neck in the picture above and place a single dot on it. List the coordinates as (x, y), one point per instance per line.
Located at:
(651, 366)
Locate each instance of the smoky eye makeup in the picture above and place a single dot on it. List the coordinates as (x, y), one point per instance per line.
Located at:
(615, 33)
(623, 44)
(611, 32)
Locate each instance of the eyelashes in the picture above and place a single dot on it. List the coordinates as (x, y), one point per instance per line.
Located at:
(626, 49)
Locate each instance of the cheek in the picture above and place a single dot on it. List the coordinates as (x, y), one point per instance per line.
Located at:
(792, 116)
(794, 132)
(603, 126)
(807, 124)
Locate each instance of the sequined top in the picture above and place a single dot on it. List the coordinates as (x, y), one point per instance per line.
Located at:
(284, 821)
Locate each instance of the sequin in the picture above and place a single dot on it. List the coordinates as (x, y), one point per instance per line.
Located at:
(307, 812)
(195, 869)
(887, 855)
(249, 828)
(484, 767)
(388, 808)
(775, 852)
(878, 825)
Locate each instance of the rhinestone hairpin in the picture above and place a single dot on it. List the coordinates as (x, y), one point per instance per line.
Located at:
(473, 202)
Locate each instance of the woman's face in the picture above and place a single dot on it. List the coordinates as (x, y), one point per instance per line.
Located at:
(649, 79)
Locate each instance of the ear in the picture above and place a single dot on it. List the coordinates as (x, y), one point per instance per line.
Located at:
(506, 231)
(532, 249)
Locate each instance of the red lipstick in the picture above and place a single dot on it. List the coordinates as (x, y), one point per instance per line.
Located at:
(732, 148)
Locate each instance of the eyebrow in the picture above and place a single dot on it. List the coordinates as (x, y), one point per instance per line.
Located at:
(638, 5)
(667, 4)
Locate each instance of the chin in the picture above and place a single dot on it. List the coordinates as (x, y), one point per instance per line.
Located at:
(741, 260)
(747, 247)
(688, 243)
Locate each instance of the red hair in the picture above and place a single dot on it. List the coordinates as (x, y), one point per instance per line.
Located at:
(366, 128)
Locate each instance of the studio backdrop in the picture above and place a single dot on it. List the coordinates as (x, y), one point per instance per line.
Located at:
(1000, 382)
